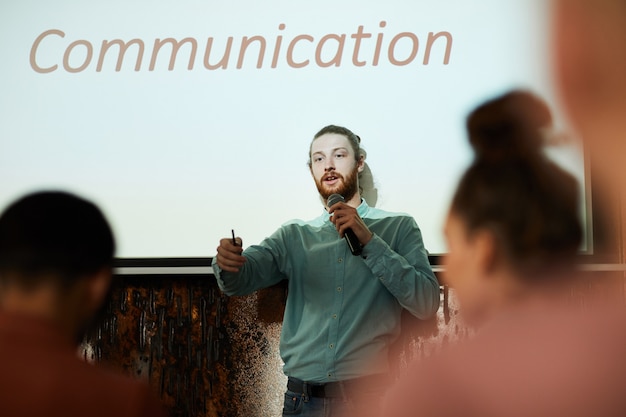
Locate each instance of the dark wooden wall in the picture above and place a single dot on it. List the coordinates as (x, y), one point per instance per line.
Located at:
(206, 354)
(172, 331)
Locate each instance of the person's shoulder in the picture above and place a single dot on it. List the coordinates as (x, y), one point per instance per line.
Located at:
(97, 389)
(575, 355)
(374, 213)
(295, 223)
(134, 396)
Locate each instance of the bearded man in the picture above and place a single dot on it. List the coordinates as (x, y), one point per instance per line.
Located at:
(344, 302)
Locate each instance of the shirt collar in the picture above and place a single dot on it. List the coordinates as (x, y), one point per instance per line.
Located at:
(362, 210)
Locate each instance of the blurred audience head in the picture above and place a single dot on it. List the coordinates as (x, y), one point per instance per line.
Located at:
(589, 53)
(513, 223)
(56, 254)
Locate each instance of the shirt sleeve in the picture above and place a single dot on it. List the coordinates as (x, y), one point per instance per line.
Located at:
(261, 270)
(405, 270)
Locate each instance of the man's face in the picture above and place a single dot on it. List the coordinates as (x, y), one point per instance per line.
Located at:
(334, 166)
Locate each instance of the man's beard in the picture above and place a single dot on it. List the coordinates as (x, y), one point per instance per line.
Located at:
(347, 186)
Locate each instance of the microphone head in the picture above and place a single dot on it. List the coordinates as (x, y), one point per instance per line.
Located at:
(334, 199)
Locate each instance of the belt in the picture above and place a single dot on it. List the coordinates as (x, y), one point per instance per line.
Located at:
(336, 389)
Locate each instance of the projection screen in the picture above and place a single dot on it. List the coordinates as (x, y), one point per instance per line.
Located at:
(184, 120)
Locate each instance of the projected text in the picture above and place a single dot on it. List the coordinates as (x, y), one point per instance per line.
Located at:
(51, 51)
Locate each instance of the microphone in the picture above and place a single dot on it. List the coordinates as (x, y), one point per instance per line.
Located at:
(348, 234)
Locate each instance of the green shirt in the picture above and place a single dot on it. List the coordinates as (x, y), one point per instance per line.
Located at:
(342, 311)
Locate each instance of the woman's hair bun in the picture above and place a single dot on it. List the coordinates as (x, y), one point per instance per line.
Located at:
(509, 126)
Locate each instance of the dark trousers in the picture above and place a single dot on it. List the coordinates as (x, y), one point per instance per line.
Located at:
(359, 397)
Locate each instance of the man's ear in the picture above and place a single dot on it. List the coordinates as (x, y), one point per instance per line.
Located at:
(361, 163)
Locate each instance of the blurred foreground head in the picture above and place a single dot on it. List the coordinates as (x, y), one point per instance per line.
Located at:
(513, 223)
(589, 52)
(53, 236)
(56, 253)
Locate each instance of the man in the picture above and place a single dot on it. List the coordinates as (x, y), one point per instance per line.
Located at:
(342, 311)
(56, 253)
(559, 361)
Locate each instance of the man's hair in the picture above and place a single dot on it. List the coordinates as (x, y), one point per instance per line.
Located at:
(355, 140)
(53, 235)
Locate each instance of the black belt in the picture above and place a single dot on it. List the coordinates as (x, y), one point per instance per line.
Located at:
(336, 389)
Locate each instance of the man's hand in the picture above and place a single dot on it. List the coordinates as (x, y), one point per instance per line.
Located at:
(229, 255)
(345, 217)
